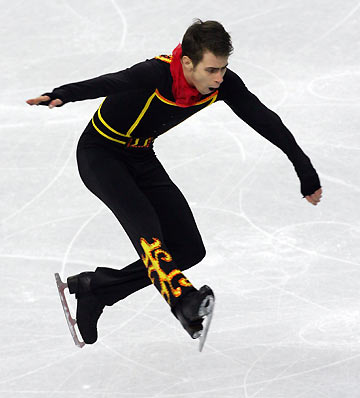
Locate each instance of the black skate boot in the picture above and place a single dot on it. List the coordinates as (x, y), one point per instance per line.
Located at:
(88, 309)
(192, 309)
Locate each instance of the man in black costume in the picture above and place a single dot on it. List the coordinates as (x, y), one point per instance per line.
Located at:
(117, 163)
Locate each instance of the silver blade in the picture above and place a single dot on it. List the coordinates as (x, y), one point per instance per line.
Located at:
(207, 322)
(69, 319)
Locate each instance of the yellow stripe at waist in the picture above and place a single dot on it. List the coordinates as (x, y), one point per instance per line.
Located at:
(141, 142)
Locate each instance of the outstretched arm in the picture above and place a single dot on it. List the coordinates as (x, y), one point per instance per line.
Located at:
(140, 76)
(268, 124)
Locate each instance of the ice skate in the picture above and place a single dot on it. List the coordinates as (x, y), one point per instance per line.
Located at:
(195, 308)
(88, 310)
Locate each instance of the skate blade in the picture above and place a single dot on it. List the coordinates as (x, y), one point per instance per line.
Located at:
(207, 311)
(69, 319)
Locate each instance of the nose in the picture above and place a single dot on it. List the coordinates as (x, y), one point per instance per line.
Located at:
(219, 78)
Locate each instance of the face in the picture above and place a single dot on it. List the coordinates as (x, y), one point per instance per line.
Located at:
(208, 74)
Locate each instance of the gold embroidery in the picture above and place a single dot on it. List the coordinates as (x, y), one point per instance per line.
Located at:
(165, 58)
(151, 259)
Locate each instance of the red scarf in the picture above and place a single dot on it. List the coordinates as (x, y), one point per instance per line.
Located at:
(184, 94)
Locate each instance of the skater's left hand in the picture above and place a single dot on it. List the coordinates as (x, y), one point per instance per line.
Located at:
(315, 197)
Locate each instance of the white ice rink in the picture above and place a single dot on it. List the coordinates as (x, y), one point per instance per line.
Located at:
(286, 274)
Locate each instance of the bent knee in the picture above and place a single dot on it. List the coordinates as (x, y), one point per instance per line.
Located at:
(200, 254)
(193, 256)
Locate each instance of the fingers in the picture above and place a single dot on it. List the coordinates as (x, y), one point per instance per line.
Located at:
(55, 102)
(45, 98)
(36, 101)
(315, 197)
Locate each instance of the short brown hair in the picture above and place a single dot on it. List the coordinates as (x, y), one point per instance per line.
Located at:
(206, 36)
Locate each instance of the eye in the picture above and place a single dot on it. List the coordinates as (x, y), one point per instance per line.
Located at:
(215, 70)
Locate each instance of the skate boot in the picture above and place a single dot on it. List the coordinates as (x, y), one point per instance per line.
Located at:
(191, 311)
(88, 309)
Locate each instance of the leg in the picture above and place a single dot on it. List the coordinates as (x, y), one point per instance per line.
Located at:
(113, 180)
(181, 237)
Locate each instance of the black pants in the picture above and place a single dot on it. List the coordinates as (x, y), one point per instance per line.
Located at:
(153, 212)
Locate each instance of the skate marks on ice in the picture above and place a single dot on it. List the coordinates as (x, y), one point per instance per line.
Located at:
(339, 23)
(341, 87)
(338, 329)
(44, 190)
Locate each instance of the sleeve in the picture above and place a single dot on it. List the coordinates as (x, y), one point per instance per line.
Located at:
(269, 125)
(142, 75)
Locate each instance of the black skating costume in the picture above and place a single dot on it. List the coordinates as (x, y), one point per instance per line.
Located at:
(117, 163)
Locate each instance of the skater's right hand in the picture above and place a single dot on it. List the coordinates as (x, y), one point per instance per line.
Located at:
(45, 98)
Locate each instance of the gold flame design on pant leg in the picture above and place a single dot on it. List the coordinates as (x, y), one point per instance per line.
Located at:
(151, 259)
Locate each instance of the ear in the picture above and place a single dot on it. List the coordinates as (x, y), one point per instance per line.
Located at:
(187, 63)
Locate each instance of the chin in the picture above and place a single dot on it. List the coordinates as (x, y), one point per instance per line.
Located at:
(207, 91)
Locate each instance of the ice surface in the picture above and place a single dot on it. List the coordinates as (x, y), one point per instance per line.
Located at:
(285, 273)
